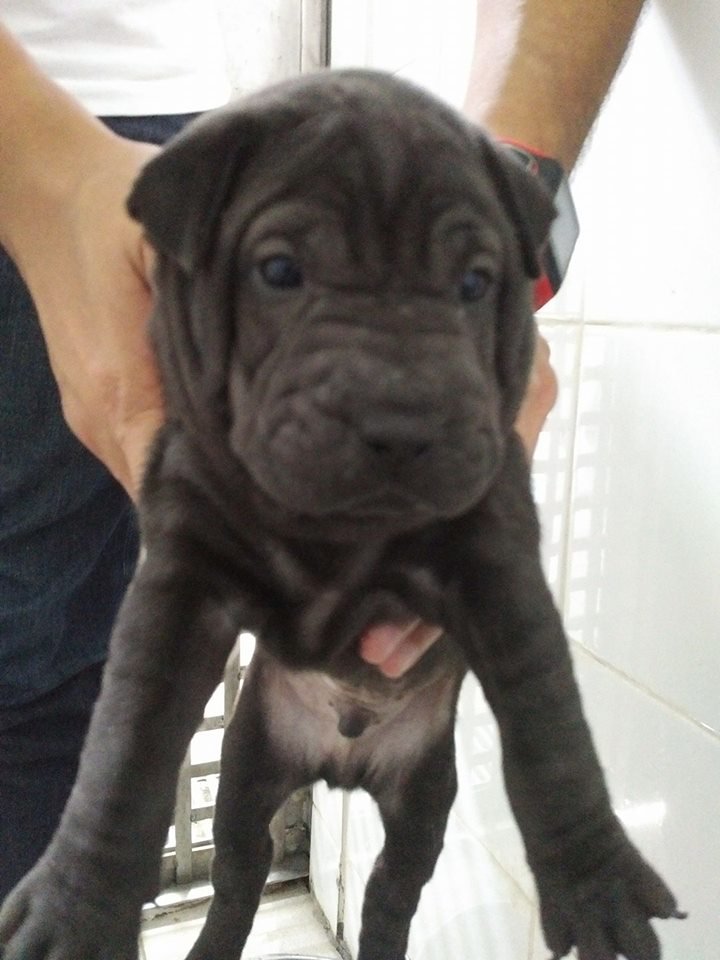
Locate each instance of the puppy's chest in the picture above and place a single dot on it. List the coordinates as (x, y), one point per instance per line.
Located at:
(327, 597)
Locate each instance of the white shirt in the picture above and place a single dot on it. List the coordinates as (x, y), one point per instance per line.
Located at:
(126, 57)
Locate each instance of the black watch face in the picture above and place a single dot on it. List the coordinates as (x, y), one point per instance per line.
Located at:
(564, 231)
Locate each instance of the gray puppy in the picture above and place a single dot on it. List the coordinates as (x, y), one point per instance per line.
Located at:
(344, 329)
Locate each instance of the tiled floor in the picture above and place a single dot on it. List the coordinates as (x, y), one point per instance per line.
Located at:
(288, 922)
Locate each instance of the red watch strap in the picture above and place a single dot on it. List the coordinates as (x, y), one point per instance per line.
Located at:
(542, 291)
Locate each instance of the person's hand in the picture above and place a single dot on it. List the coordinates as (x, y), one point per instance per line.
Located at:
(394, 649)
(540, 397)
(88, 271)
(63, 181)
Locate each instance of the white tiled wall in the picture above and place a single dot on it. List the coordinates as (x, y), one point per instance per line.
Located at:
(263, 41)
(628, 481)
(406, 37)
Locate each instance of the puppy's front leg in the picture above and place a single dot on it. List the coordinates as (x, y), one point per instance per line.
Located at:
(82, 901)
(596, 892)
(414, 802)
(258, 775)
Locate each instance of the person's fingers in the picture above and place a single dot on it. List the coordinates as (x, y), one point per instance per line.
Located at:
(91, 279)
(136, 445)
(380, 642)
(395, 648)
(540, 397)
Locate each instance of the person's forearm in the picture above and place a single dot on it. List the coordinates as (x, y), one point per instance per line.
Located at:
(565, 56)
(64, 178)
(48, 141)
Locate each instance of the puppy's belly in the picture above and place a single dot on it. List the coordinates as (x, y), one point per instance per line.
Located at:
(350, 737)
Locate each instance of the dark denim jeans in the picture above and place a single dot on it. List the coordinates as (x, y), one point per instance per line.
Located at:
(68, 547)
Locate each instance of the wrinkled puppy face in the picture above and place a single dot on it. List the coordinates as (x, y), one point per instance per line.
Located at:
(344, 295)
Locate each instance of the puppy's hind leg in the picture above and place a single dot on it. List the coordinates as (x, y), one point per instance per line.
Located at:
(414, 810)
(254, 783)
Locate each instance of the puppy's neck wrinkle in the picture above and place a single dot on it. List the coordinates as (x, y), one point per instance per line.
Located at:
(330, 599)
(312, 567)
(315, 597)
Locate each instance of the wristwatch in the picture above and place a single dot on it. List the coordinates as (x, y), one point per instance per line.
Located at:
(557, 250)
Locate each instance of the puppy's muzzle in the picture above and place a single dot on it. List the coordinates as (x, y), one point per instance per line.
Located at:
(363, 423)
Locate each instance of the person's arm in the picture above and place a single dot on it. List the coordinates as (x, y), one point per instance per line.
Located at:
(565, 56)
(63, 182)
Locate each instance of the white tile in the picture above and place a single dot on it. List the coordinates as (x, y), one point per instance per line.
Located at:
(408, 38)
(647, 189)
(365, 836)
(172, 940)
(289, 925)
(262, 41)
(552, 463)
(287, 921)
(645, 549)
(365, 833)
(538, 947)
(364, 841)
(482, 806)
(664, 778)
(567, 304)
(328, 805)
(469, 908)
(324, 869)
(539, 950)
(354, 891)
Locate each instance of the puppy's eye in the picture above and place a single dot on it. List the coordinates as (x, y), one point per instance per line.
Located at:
(281, 272)
(474, 285)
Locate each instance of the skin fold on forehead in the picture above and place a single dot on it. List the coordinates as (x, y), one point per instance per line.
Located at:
(297, 126)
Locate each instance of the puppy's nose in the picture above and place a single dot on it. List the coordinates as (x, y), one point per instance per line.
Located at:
(396, 451)
(398, 437)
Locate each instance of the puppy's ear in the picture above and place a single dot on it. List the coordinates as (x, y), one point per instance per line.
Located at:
(181, 193)
(526, 201)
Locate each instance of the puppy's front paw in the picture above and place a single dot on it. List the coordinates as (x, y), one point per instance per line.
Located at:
(46, 917)
(607, 915)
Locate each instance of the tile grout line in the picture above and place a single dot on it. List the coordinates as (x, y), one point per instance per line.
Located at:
(650, 326)
(647, 691)
(497, 864)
